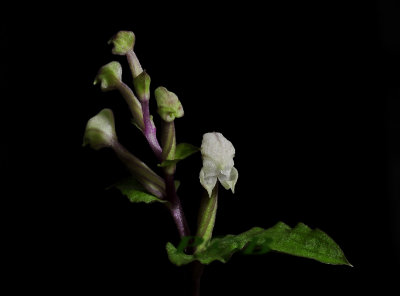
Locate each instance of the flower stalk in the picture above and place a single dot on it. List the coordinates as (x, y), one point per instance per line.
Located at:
(206, 219)
(110, 78)
(134, 105)
(150, 131)
(134, 63)
(123, 43)
(175, 206)
(153, 183)
(168, 141)
(100, 133)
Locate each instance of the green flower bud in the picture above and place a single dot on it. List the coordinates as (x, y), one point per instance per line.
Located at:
(109, 76)
(123, 42)
(142, 86)
(169, 106)
(100, 130)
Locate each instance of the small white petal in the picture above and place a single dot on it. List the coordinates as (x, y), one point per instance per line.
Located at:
(209, 167)
(229, 181)
(208, 182)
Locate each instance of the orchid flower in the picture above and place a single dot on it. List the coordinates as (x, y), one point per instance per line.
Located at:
(217, 153)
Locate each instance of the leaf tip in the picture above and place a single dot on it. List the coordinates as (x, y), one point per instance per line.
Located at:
(346, 262)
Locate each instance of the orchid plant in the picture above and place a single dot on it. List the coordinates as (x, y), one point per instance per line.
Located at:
(145, 185)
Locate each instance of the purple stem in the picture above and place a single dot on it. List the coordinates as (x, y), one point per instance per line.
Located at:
(176, 207)
(150, 131)
(197, 271)
(175, 203)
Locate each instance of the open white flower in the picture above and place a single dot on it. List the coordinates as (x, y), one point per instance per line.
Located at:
(217, 153)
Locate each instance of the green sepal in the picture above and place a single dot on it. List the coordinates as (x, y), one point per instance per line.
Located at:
(123, 42)
(299, 241)
(109, 76)
(135, 192)
(182, 151)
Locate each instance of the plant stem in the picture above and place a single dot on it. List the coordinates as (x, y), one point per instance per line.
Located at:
(166, 152)
(133, 103)
(176, 207)
(197, 271)
(134, 63)
(150, 131)
(168, 140)
(206, 222)
(206, 219)
(149, 179)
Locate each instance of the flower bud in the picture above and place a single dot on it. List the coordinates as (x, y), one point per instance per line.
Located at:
(169, 106)
(100, 130)
(109, 76)
(217, 153)
(123, 42)
(142, 86)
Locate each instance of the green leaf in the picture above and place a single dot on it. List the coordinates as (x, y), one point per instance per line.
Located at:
(299, 241)
(167, 163)
(132, 189)
(182, 151)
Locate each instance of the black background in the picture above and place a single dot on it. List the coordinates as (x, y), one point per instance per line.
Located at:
(307, 93)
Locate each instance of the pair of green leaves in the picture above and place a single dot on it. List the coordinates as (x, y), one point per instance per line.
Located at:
(135, 192)
(299, 241)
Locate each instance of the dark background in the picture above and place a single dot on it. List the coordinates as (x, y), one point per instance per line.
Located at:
(308, 94)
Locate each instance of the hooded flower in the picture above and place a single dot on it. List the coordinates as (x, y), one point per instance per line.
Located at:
(217, 153)
(100, 130)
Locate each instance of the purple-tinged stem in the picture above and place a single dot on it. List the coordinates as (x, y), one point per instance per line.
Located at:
(150, 131)
(149, 179)
(133, 103)
(197, 271)
(175, 203)
(176, 207)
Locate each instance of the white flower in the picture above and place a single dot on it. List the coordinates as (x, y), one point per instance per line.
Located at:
(217, 153)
